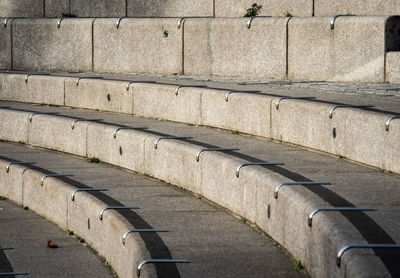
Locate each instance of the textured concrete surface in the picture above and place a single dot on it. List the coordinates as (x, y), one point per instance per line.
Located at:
(393, 67)
(39, 45)
(317, 52)
(366, 7)
(97, 94)
(352, 185)
(164, 102)
(5, 45)
(138, 45)
(56, 8)
(218, 244)
(237, 8)
(98, 8)
(170, 8)
(210, 50)
(28, 233)
(21, 8)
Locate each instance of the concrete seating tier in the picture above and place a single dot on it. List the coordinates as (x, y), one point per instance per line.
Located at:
(204, 8)
(249, 194)
(360, 135)
(297, 48)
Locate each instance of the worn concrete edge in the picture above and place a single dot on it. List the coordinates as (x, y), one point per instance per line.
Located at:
(21, 185)
(257, 115)
(286, 227)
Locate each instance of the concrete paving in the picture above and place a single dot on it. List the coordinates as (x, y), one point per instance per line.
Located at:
(28, 234)
(353, 185)
(217, 244)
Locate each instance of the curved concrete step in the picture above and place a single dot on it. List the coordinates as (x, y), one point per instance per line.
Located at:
(250, 195)
(343, 48)
(367, 135)
(217, 244)
(28, 234)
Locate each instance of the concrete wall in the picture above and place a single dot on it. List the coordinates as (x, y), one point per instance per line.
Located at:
(357, 7)
(393, 67)
(138, 45)
(211, 50)
(21, 8)
(352, 51)
(39, 45)
(170, 8)
(5, 45)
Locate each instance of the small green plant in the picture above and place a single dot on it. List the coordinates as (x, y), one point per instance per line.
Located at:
(299, 265)
(287, 14)
(26, 208)
(235, 132)
(254, 10)
(94, 160)
(2, 198)
(244, 220)
(71, 233)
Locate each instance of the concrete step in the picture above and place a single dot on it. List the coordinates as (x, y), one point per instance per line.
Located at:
(367, 136)
(307, 48)
(249, 194)
(173, 8)
(216, 243)
(28, 234)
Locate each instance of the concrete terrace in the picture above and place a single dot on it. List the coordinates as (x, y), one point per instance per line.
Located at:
(259, 143)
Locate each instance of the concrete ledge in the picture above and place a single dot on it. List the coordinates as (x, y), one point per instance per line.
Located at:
(249, 195)
(211, 50)
(51, 132)
(104, 95)
(39, 45)
(317, 52)
(138, 45)
(167, 102)
(14, 126)
(247, 113)
(53, 201)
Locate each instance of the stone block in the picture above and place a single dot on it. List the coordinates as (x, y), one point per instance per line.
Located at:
(56, 8)
(103, 95)
(98, 8)
(106, 235)
(173, 162)
(14, 126)
(49, 200)
(5, 44)
(11, 182)
(161, 101)
(170, 8)
(55, 132)
(237, 8)
(138, 45)
(211, 50)
(357, 7)
(393, 67)
(44, 89)
(21, 8)
(247, 113)
(353, 51)
(40, 46)
(126, 150)
(13, 87)
(307, 124)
